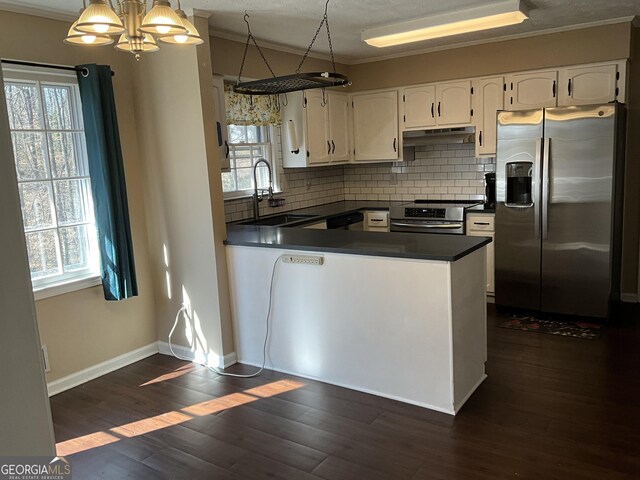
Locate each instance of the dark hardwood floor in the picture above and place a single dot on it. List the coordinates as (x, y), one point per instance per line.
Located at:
(551, 408)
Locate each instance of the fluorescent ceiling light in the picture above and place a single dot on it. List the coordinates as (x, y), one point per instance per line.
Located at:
(494, 15)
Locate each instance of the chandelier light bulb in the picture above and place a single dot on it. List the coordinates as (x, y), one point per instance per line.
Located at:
(180, 38)
(163, 29)
(88, 39)
(101, 27)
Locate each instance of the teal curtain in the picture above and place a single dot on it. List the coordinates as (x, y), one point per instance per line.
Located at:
(107, 182)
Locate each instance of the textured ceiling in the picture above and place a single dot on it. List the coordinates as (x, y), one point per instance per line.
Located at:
(292, 23)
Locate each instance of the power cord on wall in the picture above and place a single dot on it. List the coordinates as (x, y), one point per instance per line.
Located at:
(266, 336)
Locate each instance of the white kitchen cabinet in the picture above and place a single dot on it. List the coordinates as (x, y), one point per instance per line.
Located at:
(375, 126)
(339, 131)
(221, 123)
(419, 107)
(531, 90)
(488, 99)
(315, 128)
(443, 104)
(483, 225)
(453, 103)
(588, 85)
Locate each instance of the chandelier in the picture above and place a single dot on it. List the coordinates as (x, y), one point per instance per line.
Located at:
(137, 28)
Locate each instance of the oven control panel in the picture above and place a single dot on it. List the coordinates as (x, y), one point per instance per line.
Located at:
(425, 212)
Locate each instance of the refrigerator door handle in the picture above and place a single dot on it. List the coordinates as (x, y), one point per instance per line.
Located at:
(545, 187)
(535, 194)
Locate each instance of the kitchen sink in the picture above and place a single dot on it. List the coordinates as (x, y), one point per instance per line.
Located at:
(283, 219)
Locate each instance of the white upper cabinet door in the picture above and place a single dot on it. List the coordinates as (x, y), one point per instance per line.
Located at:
(532, 90)
(375, 126)
(317, 114)
(453, 103)
(221, 123)
(419, 107)
(588, 85)
(488, 99)
(339, 133)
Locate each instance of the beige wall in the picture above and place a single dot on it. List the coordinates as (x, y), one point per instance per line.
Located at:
(610, 42)
(81, 329)
(184, 196)
(226, 56)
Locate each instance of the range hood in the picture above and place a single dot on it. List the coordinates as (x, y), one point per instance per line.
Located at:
(438, 136)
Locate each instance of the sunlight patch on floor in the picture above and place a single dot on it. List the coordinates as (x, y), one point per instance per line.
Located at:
(169, 419)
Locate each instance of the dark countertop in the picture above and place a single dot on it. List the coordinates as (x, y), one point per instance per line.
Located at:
(448, 248)
(328, 210)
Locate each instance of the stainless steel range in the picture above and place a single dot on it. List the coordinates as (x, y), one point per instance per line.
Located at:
(429, 216)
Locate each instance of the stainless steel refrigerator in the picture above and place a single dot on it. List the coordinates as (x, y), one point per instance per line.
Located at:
(559, 182)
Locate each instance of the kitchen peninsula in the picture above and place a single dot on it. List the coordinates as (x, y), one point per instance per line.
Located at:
(397, 315)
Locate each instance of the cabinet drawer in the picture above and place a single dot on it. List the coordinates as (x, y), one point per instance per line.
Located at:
(480, 223)
(377, 219)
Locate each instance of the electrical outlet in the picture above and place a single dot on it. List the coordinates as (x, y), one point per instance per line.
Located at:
(45, 359)
(303, 259)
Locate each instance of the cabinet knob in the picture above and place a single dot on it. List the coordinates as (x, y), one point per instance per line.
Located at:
(328, 148)
(333, 147)
(432, 113)
(569, 87)
(395, 140)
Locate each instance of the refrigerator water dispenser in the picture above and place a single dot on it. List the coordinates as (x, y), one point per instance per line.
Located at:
(519, 176)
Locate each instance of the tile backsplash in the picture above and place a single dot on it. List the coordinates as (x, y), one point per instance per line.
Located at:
(439, 172)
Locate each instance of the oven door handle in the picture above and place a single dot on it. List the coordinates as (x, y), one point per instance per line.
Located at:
(426, 225)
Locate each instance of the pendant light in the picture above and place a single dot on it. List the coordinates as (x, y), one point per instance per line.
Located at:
(99, 18)
(162, 20)
(191, 37)
(76, 37)
(142, 44)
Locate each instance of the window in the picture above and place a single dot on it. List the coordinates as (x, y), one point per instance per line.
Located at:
(49, 147)
(247, 144)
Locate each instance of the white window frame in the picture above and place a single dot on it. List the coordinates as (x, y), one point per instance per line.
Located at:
(63, 282)
(270, 157)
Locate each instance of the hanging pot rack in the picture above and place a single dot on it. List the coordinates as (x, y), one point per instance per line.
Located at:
(296, 81)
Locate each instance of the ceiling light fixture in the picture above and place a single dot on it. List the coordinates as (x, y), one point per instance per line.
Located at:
(475, 19)
(135, 26)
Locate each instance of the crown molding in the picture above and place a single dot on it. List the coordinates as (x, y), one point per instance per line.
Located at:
(54, 14)
(631, 19)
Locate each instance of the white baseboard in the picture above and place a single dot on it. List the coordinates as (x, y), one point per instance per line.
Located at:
(83, 376)
(215, 361)
(629, 297)
(449, 411)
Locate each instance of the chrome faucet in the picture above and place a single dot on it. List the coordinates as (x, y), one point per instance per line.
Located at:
(258, 194)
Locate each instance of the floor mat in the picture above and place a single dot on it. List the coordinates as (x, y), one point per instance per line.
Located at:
(590, 331)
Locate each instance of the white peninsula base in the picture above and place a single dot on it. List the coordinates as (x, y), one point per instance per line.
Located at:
(407, 329)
